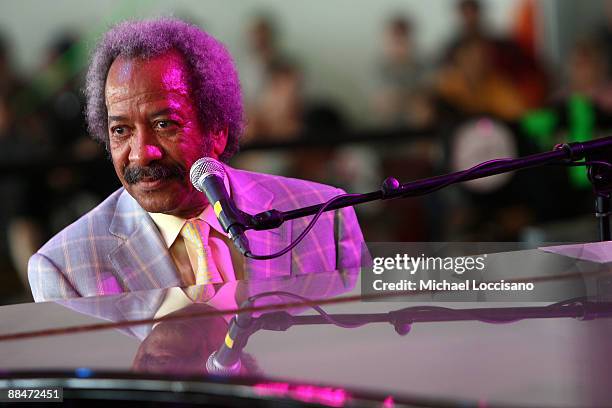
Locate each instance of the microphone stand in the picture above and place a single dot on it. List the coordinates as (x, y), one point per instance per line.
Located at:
(597, 155)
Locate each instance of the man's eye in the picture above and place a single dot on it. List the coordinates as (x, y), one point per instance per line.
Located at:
(120, 131)
(165, 124)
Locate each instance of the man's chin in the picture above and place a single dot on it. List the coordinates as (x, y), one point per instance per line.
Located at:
(156, 196)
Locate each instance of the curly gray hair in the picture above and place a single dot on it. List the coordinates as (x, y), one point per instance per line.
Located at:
(215, 87)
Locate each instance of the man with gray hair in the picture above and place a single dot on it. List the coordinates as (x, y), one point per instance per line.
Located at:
(161, 94)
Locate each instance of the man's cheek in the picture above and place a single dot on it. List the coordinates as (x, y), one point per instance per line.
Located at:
(191, 152)
(187, 158)
(118, 157)
(120, 169)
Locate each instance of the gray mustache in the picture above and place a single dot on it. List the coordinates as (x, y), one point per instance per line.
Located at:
(154, 172)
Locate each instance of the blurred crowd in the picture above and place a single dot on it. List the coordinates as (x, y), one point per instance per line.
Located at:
(483, 96)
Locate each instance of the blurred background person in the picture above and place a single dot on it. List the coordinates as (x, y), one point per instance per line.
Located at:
(283, 114)
(277, 111)
(274, 115)
(272, 93)
(400, 97)
(588, 75)
(262, 52)
(511, 55)
(468, 14)
(469, 84)
(603, 35)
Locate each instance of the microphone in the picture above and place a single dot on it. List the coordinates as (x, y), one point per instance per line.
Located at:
(226, 360)
(208, 175)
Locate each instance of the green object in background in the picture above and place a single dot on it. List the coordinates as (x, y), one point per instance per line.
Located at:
(582, 124)
(541, 124)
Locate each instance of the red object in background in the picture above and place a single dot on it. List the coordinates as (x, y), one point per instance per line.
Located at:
(524, 29)
(516, 57)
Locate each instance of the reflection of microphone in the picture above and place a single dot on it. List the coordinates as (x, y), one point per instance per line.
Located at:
(226, 360)
(208, 175)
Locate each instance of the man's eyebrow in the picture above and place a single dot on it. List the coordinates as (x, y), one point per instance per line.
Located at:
(116, 118)
(166, 111)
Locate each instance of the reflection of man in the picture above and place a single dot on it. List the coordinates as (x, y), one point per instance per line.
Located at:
(183, 346)
(160, 95)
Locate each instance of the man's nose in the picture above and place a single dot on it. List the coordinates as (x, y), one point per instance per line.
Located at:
(144, 148)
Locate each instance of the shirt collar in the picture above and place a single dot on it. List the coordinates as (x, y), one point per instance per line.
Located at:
(170, 226)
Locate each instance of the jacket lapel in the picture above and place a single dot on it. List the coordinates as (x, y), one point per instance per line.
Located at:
(251, 196)
(142, 260)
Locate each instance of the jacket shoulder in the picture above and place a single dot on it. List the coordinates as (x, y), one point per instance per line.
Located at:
(291, 191)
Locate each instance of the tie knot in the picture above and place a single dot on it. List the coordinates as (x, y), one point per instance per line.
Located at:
(196, 231)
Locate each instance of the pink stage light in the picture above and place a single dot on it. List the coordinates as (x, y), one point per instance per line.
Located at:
(388, 402)
(332, 397)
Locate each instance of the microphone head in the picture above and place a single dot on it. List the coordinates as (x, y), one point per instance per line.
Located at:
(204, 167)
(213, 367)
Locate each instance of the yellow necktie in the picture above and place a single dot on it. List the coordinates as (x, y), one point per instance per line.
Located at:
(195, 233)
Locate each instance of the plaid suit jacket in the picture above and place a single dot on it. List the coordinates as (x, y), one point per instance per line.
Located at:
(117, 248)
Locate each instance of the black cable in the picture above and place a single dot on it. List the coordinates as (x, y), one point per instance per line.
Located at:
(306, 230)
(459, 177)
(456, 312)
(318, 309)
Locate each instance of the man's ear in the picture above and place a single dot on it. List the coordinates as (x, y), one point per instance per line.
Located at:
(219, 140)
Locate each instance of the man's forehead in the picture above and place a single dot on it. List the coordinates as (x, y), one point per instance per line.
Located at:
(132, 76)
(124, 67)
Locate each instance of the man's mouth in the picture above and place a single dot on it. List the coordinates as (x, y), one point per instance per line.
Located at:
(152, 183)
